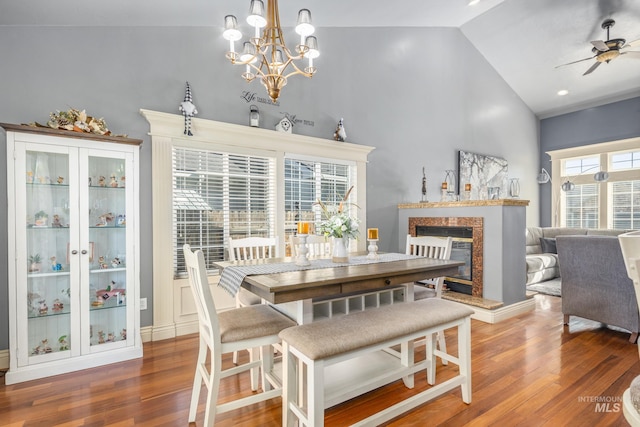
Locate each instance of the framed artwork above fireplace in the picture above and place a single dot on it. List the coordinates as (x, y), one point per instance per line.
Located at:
(482, 172)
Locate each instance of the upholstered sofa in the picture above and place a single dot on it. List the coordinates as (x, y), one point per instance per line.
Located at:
(595, 284)
(542, 263)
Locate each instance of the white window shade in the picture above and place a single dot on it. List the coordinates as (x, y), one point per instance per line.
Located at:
(219, 195)
(307, 181)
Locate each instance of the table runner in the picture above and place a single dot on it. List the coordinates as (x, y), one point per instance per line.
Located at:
(232, 277)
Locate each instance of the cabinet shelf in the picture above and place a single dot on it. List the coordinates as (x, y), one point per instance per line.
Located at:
(107, 270)
(48, 274)
(49, 314)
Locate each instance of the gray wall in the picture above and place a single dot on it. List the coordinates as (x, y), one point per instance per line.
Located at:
(416, 107)
(611, 122)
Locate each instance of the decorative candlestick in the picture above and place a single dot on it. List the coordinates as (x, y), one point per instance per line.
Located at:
(372, 233)
(467, 192)
(303, 227)
(303, 251)
(373, 249)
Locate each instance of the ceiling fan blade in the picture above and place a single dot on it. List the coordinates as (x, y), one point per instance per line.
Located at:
(632, 54)
(574, 62)
(600, 45)
(633, 43)
(593, 67)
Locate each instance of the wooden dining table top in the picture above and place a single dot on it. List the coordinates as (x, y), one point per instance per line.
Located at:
(290, 286)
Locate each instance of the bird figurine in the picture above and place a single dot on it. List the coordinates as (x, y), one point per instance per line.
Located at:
(340, 134)
(188, 110)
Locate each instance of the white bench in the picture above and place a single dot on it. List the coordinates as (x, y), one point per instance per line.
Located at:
(355, 350)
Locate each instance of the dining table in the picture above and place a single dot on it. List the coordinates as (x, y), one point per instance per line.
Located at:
(293, 288)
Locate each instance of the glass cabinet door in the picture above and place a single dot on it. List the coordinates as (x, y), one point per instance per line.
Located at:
(107, 242)
(43, 254)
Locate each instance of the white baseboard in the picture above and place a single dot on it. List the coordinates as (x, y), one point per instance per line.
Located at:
(503, 313)
(4, 359)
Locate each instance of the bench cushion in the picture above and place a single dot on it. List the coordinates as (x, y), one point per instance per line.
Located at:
(329, 337)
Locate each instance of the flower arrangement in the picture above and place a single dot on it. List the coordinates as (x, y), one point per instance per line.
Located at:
(337, 222)
(77, 121)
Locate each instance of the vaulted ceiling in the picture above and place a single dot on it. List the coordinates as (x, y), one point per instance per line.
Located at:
(523, 40)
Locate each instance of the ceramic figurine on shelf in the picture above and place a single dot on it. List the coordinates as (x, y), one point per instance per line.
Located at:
(105, 219)
(58, 306)
(43, 348)
(111, 337)
(29, 177)
(102, 181)
(113, 181)
(115, 263)
(53, 263)
(102, 263)
(57, 221)
(60, 179)
(63, 344)
(340, 134)
(43, 309)
(123, 335)
(100, 337)
(123, 181)
(188, 110)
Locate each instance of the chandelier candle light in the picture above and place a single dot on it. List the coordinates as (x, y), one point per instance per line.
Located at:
(265, 55)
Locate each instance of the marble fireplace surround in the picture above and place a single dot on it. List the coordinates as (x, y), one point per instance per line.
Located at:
(476, 224)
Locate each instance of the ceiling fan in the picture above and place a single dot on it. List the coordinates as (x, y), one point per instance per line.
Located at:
(608, 50)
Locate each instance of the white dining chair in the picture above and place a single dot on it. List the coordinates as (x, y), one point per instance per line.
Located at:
(319, 246)
(245, 249)
(436, 248)
(254, 328)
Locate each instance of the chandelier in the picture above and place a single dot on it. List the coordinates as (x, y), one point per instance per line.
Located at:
(265, 55)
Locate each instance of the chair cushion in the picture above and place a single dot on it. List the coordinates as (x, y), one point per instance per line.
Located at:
(254, 321)
(342, 334)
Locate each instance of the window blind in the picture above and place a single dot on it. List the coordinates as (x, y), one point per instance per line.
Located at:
(309, 180)
(219, 195)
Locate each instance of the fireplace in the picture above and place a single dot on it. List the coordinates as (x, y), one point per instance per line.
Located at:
(467, 236)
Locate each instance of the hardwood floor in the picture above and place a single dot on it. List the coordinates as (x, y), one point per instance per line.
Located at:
(528, 371)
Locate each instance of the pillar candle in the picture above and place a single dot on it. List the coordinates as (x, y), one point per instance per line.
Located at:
(372, 233)
(444, 185)
(303, 228)
(467, 187)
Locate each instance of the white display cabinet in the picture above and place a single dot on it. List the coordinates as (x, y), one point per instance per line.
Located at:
(73, 245)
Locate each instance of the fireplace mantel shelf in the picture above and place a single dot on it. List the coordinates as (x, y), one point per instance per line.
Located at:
(464, 204)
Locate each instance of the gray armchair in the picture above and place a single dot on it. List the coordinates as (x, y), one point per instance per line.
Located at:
(595, 284)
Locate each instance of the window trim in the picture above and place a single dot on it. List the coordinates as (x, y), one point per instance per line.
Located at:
(171, 306)
(603, 150)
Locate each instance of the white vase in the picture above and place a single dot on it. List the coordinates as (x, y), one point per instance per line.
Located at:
(340, 249)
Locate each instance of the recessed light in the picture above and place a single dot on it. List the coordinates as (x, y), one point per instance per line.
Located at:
(563, 92)
(472, 2)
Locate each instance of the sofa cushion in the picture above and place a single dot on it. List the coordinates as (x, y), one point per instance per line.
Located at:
(541, 267)
(548, 245)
